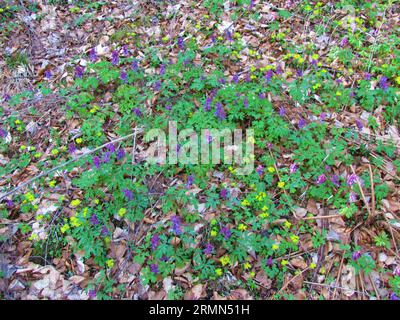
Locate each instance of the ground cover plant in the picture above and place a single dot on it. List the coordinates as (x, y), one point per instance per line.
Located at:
(85, 215)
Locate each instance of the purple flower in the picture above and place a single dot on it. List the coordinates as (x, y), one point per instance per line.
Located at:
(128, 194)
(9, 204)
(351, 179)
(260, 170)
(94, 220)
(359, 125)
(168, 107)
(299, 72)
(120, 154)
(6, 97)
(208, 249)
(302, 123)
(3, 133)
(135, 66)
(293, 168)
(207, 104)
(246, 102)
(106, 157)
(222, 81)
(262, 95)
(96, 162)
(176, 225)
(181, 43)
(352, 197)
(393, 296)
(344, 42)
(356, 255)
(367, 76)
(71, 147)
(92, 294)
(154, 268)
(279, 69)
(226, 232)
(124, 76)
(335, 180)
(190, 180)
(269, 262)
(282, 111)
(223, 193)
(269, 75)
(155, 239)
(79, 72)
(248, 79)
(383, 83)
(235, 78)
(125, 50)
(47, 74)
(228, 35)
(322, 116)
(162, 69)
(321, 179)
(220, 112)
(92, 55)
(114, 57)
(396, 271)
(252, 4)
(111, 147)
(137, 112)
(104, 231)
(157, 85)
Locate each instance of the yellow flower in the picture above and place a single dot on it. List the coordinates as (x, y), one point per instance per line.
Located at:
(218, 272)
(294, 238)
(313, 265)
(52, 183)
(75, 203)
(275, 246)
(284, 262)
(252, 274)
(121, 212)
(315, 56)
(17, 121)
(338, 93)
(213, 233)
(37, 155)
(22, 148)
(322, 270)
(79, 140)
(271, 169)
(397, 80)
(264, 215)
(85, 212)
(110, 263)
(281, 184)
(242, 227)
(96, 201)
(54, 152)
(245, 203)
(287, 224)
(39, 217)
(75, 221)
(29, 196)
(265, 208)
(247, 265)
(225, 260)
(33, 236)
(64, 228)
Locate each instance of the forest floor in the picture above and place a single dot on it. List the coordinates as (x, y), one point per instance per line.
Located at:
(85, 215)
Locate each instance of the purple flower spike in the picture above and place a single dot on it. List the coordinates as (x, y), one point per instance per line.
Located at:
(92, 55)
(137, 112)
(302, 123)
(207, 104)
(3, 133)
(162, 69)
(260, 170)
(359, 125)
(235, 78)
(383, 83)
(351, 179)
(208, 249)
(124, 76)
(293, 168)
(115, 57)
(94, 220)
(282, 111)
(224, 193)
(269, 75)
(176, 225)
(393, 296)
(125, 50)
(246, 102)
(120, 154)
(96, 162)
(79, 72)
(321, 179)
(71, 148)
(226, 232)
(155, 240)
(269, 262)
(367, 76)
(157, 85)
(154, 268)
(352, 197)
(92, 294)
(128, 194)
(356, 255)
(104, 231)
(190, 180)
(135, 66)
(111, 147)
(47, 74)
(9, 204)
(344, 42)
(335, 180)
(181, 43)
(220, 112)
